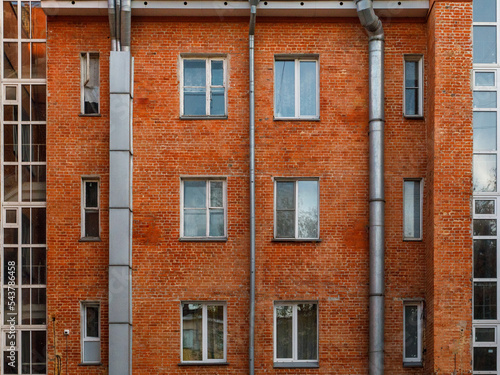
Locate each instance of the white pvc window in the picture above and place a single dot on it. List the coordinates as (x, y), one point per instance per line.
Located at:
(203, 208)
(296, 332)
(412, 209)
(413, 86)
(412, 323)
(90, 208)
(296, 214)
(89, 83)
(203, 87)
(203, 332)
(91, 332)
(296, 89)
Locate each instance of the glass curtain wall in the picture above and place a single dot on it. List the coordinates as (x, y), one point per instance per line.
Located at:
(23, 189)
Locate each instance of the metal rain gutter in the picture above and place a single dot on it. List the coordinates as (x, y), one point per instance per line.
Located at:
(251, 353)
(373, 26)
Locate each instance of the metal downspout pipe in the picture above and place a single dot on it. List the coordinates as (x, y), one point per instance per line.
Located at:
(373, 26)
(112, 22)
(251, 32)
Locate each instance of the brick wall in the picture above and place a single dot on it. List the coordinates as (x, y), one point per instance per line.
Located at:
(333, 272)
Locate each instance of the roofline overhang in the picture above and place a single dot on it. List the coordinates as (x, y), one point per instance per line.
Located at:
(212, 8)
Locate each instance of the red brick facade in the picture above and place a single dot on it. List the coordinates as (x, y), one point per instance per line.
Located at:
(334, 271)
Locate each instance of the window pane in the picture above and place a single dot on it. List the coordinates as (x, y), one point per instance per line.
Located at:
(38, 306)
(485, 258)
(485, 300)
(9, 363)
(38, 143)
(484, 173)
(10, 183)
(25, 60)
(484, 227)
(195, 223)
(194, 73)
(10, 60)
(25, 350)
(195, 194)
(92, 321)
(485, 79)
(217, 223)
(411, 74)
(485, 359)
(217, 102)
(25, 20)
(284, 86)
(38, 273)
(25, 298)
(38, 103)
(10, 147)
(91, 194)
(25, 102)
(195, 101)
(484, 335)
(307, 332)
(91, 351)
(411, 332)
(38, 352)
(284, 331)
(285, 195)
(217, 73)
(484, 99)
(285, 224)
(484, 48)
(215, 332)
(216, 194)
(38, 60)
(11, 93)
(38, 21)
(308, 88)
(10, 265)
(412, 209)
(38, 225)
(91, 224)
(191, 332)
(484, 207)
(308, 209)
(485, 131)
(26, 265)
(10, 19)
(411, 101)
(484, 10)
(10, 113)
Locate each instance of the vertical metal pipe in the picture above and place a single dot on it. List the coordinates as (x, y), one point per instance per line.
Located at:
(251, 351)
(126, 18)
(373, 26)
(112, 21)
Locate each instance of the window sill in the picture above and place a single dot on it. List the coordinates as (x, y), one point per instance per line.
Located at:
(317, 119)
(296, 365)
(203, 364)
(296, 240)
(90, 239)
(89, 115)
(90, 364)
(203, 117)
(412, 364)
(410, 239)
(203, 239)
(414, 117)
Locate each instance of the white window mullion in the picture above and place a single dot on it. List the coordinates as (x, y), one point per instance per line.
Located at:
(207, 208)
(296, 208)
(294, 333)
(208, 86)
(204, 331)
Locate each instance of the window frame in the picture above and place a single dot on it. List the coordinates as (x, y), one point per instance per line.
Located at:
(296, 192)
(419, 59)
(420, 311)
(208, 85)
(85, 209)
(294, 362)
(208, 181)
(84, 78)
(421, 208)
(297, 60)
(83, 333)
(204, 346)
